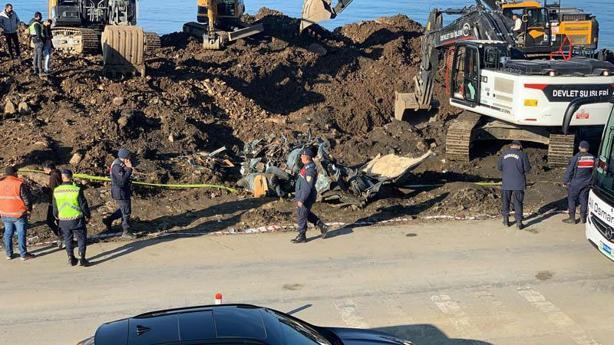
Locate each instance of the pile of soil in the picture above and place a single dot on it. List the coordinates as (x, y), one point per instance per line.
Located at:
(338, 85)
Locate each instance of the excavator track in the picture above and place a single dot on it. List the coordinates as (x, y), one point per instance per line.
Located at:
(152, 42)
(459, 136)
(76, 41)
(560, 149)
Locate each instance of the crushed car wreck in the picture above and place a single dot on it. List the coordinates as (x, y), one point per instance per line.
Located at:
(271, 163)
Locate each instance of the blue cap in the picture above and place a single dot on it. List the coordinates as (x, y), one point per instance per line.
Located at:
(67, 172)
(307, 152)
(517, 143)
(10, 171)
(123, 153)
(584, 145)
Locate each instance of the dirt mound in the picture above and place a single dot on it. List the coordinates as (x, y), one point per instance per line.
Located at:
(335, 85)
(340, 84)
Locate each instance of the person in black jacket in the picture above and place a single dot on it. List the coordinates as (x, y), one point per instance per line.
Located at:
(48, 47)
(577, 179)
(305, 197)
(55, 179)
(514, 166)
(121, 192)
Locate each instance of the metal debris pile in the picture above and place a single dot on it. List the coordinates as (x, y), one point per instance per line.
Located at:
(271, 164)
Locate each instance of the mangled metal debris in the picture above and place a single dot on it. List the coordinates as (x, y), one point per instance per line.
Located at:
(271, 164)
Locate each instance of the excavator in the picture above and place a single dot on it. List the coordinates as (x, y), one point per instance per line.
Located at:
(544, 27)
(219, 22)
(551, 21)
(89, 26)
(504, 90)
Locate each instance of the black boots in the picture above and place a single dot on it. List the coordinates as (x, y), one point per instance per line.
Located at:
(107, 224)
(506, 221)
(519, 224)
(72, 261)
(571, 220)
(323, 229)
(301, 238)
(583, 219)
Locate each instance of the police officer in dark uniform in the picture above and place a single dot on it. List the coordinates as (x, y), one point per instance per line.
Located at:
(577, 179)
(121, 192)
(73, 213)
(514, 166)
(306, 195)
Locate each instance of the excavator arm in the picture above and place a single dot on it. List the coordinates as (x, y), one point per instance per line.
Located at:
(474, 22)
(429, 62)
(211, 14)
(316, 11)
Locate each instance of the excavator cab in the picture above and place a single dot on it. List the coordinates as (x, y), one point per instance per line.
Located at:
(465, 74)
(469, 59)
(547, 25)
(536, 26)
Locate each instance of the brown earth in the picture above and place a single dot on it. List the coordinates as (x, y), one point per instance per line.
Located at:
(338, 85)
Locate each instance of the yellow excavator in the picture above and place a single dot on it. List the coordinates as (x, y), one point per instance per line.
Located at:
(544, 25)
(550, 21)
(219, 22)
(91, 26)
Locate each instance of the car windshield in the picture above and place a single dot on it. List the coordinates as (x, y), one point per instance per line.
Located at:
(298, 333)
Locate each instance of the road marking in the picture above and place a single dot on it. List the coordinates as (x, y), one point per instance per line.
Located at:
(499, 311)
(395, 309)
(350, 315)
(556, 316)
(457, 316)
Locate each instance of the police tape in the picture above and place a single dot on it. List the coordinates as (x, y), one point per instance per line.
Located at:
(145, 184)
(481, 184)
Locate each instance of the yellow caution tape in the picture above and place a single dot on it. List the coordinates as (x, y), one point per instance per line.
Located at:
(481, 184)
(159, 185)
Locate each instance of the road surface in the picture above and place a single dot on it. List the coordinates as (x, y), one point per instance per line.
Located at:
(468, 282)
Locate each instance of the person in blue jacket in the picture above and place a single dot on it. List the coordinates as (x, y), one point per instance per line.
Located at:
(121, 192)
(577, 179)
(514, 166)
(305, 197)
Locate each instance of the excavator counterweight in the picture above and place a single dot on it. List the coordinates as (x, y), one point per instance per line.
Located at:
(107, 26)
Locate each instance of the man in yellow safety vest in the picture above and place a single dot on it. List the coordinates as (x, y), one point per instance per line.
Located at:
(36, 36)
(73, 213)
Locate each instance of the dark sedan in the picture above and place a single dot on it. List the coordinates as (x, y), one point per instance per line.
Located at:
(229, 325)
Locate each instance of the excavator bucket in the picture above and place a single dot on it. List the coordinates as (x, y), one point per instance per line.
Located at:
(404, 102)
(315, 11)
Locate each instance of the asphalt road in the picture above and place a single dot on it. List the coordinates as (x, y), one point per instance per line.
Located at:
(440, 283)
